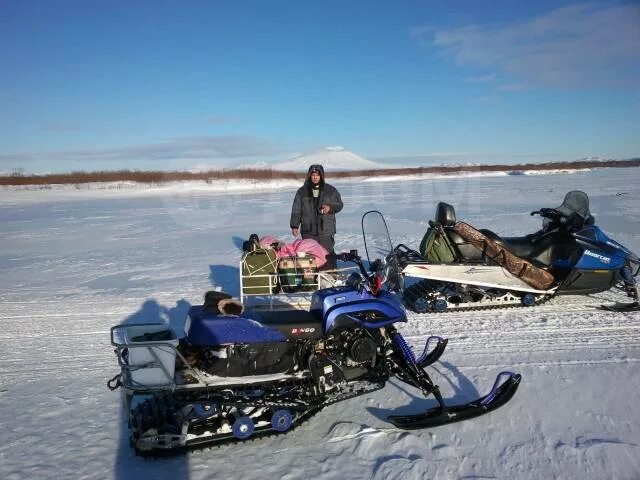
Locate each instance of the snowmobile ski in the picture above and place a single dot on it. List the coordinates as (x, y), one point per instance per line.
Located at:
(500, 394)
(622, 307)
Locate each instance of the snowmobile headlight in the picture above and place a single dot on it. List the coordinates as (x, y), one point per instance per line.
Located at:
(635, 267)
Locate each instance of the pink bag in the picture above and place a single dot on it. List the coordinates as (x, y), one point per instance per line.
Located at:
(306, 245)
(311, 247)
(268, 240)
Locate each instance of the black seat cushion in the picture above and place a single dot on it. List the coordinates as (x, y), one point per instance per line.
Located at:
(519, 246)
(540, 247)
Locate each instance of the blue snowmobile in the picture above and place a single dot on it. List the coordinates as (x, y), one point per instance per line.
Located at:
(243, 374)
(463, 268)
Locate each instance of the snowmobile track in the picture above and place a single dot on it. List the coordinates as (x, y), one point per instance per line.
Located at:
(208, 444)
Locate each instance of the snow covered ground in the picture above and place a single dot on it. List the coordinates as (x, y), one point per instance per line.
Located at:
(74, 265)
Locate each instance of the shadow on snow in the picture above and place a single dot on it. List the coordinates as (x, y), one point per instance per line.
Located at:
(127, 464)
(226, 278)
(464, 391)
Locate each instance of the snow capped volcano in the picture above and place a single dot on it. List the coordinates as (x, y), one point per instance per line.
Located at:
(331, 158)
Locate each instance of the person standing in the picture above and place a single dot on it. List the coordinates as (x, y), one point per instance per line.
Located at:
(313, 213)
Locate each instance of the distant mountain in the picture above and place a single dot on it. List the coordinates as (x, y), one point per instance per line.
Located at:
(331, 158)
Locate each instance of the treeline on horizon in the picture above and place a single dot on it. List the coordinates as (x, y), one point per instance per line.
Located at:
(271, 174)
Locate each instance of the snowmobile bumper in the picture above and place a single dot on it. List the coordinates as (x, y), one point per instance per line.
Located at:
(500, 394)
(633, 290)
(429, 357)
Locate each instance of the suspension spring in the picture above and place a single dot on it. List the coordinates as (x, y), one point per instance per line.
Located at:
(402, 344)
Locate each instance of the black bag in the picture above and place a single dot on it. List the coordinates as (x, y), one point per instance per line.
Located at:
(248, 359)
(252, 244)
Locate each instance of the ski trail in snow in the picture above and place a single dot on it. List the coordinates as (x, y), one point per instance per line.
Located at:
(68, 276)
(365, 432)
(567, 332)
(561, 330)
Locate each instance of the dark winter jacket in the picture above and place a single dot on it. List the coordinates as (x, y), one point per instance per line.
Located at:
(305, 212)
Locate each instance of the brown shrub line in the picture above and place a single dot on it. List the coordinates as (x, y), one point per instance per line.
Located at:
(158, 177)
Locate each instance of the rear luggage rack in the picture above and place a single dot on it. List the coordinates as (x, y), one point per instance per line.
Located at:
(287, 290)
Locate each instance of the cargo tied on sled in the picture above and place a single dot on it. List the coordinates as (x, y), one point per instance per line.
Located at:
(274, 274)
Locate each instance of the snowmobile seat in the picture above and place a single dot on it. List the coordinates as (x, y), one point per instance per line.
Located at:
(293, 324)
(529, 246)
(519, 246)
(466, 251)
(445, 215)
(550, 242)
(540, 247)
(206, 328)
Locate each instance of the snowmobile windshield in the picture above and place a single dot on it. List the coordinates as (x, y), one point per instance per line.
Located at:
(575, 209)
(573, 214)
(575, 202)
(379, 249)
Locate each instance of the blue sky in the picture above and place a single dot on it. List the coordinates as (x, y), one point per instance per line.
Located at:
(95, 85)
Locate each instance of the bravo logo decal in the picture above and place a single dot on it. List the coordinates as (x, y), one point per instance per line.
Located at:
(299, 331)
(602, 258)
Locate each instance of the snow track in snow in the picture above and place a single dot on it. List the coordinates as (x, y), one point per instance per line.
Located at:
(71, 269)
(568, 330)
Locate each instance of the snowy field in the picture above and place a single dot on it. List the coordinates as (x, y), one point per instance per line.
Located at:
(75, 263)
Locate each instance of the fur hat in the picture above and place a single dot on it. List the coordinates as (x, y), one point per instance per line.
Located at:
(230, 306)
(316, 168)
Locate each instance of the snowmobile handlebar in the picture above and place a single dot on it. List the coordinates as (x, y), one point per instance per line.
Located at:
(351, 256)
(550, 213)
(571, 222)
(372, 279)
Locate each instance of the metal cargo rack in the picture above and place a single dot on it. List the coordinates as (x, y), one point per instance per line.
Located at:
(278, 298)
(186, 377)
(153, 363)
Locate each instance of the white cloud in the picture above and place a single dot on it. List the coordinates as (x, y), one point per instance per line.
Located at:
(486, 99)
(217, 120)
(584, 45)
(61, 126)
(514, 87)
(482, 78)
(215, 148)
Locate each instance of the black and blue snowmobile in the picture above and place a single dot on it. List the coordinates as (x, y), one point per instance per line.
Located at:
(461, 268)
(238, 375)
